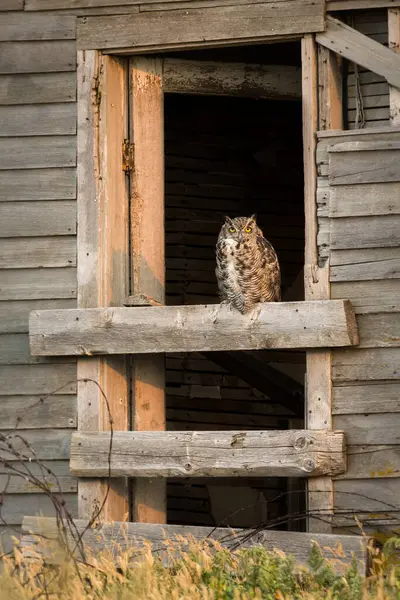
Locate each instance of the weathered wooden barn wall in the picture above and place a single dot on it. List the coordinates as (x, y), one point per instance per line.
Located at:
(358, 232)
(367, 92)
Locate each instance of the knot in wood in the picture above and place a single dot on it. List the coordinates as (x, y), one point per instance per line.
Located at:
(301, 442)
(309, 465)
(188, 467)
(238, 440)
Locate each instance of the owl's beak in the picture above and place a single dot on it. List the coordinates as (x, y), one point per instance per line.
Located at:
(240, 237)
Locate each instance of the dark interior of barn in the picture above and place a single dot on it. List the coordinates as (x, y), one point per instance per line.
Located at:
(234, 156)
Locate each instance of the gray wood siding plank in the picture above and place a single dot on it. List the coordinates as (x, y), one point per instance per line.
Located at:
(37, 412)
(14, 314)
(369, 429)
(364, 462)
(370, 296)
(379, 330)
(43, 88)
(388, 268)
(14, 350)
(61, 481)
(365, 232)
(38, 119)
(364, 200)
(366, 365)
(11, 5)
(31, 219)
(37, 152)
(366, 495)
(37, 57)
(364, 166)
(22, 253)
(361, 399)
(183, 27)
(37, 184)
(22, 27)
(36, 284)
(192, 328)
(208, 454)
(38, 379)
(15, 506)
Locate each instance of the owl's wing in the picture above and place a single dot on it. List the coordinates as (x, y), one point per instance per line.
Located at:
(273, 271)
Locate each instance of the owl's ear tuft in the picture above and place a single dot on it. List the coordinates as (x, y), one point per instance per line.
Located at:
(228, 219)
(253, 217)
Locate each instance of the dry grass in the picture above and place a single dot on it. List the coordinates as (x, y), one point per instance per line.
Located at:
(203, 572)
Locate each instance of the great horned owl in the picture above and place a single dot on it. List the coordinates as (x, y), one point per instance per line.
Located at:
(247, 265)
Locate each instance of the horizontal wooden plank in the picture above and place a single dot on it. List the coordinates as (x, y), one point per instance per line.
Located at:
(34, 5)
(125, 535)
(31, 219)
(379, 101)
(361, 200)
(36, 284)
(369, 429)
(38, 184)
(365, 265)
(372, 462)
(37, 412)
(43, 88)
(361, 399)
(14, 350)
(338, 5)
(370, 296)
(14, 314)
(358, 48)
(374, 117)
(198, 27)
(16, 27)
(21, 253)
(12, 5)
(31, 380)
(38, 119)
(37, 57)
(208, 454)
(380, 330)
(365, 497)
(191, 328)
(53, 445)
(365, 365)
(59, 480)
(365, 232)
(37, 152)
(232, 79)
(15, 506)
(364, 162)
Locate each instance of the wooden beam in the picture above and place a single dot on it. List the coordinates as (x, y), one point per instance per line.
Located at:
(102, 256)
(394, 45)
(360, 49)
(280, 388)
(148, 261)
(200, 27)
(119, 536)
(195, 328)
(339, 5)
(276, 82)
(330, 114)
(292, 453)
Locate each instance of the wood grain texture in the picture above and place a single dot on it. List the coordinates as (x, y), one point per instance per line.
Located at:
(369, 429)
(32, 219)
(12, 5)
(365, 232)
(359, 200)
(102, 255)
(366, 365)
(16, 27)
(209, 454)
(330, 84)
(43, 88)
(372, 462)
(370, 296)
(379, 330)
(37, 152)
(361, 399)
(337, 5)
(37, 57)
(148, 261)
(37, 119)
(365, 265)
(15, 506)
(60, 479)
(38, 379)
(14, 314)
(37, 184)
(14, 350)
(31, 412)
(231, 79)
(182, 28)
(358, 48)
(394, 45)
(22, 253)
(35, 284)
(54, 445)
(317, 324)
(364, 162)
(127, 534)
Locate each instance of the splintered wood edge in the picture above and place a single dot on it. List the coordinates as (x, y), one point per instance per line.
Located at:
(351, 323)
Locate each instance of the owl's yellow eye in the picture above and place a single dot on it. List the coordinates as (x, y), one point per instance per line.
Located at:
(248, 230)
(232, 229)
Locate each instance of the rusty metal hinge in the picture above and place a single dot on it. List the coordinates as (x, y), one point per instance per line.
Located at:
(128, 155)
